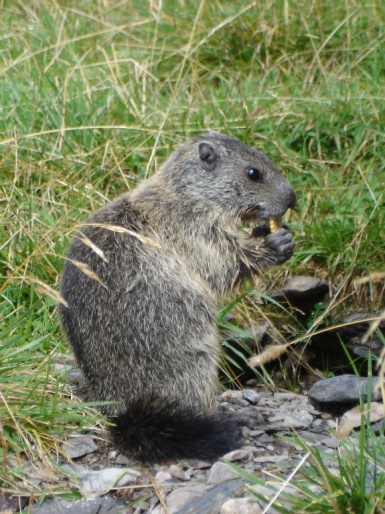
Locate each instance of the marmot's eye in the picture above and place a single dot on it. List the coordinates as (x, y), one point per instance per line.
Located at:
(254, 173)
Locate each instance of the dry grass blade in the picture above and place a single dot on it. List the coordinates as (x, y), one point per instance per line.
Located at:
(85, 240)
(87, 271)
(45, 289)
(373, 277)
(123, 230)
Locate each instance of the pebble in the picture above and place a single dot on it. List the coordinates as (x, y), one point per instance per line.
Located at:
(220, 472)
(181, 496)
(212, 501)
(241, 506)
(236, 455)
(162, 476)
(178, 473)
(123, 460)
(251, 395)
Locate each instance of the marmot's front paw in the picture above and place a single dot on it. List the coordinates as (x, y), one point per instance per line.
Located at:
(282, 245)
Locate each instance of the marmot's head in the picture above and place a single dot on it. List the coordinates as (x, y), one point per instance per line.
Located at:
(230, 176)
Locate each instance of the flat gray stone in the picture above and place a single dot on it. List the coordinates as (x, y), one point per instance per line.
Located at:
(212, 501)
(76, 447)
(180, 497)
(344, 388)
(89, 506)
(271, 458)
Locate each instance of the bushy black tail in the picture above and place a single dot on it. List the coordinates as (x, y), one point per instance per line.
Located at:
(156, 430)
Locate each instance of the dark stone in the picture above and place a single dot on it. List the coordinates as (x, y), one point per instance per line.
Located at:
(342, 389)
(13, 502)
(334, 341)
(301, 291)
(353, 334)
(212, 501)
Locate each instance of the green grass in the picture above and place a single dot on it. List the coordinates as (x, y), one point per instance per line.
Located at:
(95, 95)
(355, 483)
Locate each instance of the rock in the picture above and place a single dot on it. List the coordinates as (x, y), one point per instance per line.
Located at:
(106, 479)
(241, 506)
(179, 474)
(250, 417)
(162, 476)
(290, 397)
(230, 395)
(199, 464)
(13, 502)
(180, 497)
(353, 334)
(72, 468)
(104, 505)
(351, 330)
(276, 489)
(235, 397)
(330, 442)
(212, 501)
(301, 291)
(251, 395)
(76, 447)
(255, 433)
(236, 455)
(123, 460)
(284, 420)
(220, 472)
(271, 458)
(344, 388)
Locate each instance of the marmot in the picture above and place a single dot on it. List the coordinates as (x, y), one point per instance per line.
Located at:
(142, 282)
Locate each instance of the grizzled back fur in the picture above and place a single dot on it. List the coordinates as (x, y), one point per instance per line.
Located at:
(142, 284)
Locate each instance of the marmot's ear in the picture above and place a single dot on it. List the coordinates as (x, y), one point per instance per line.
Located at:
(207, 152)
